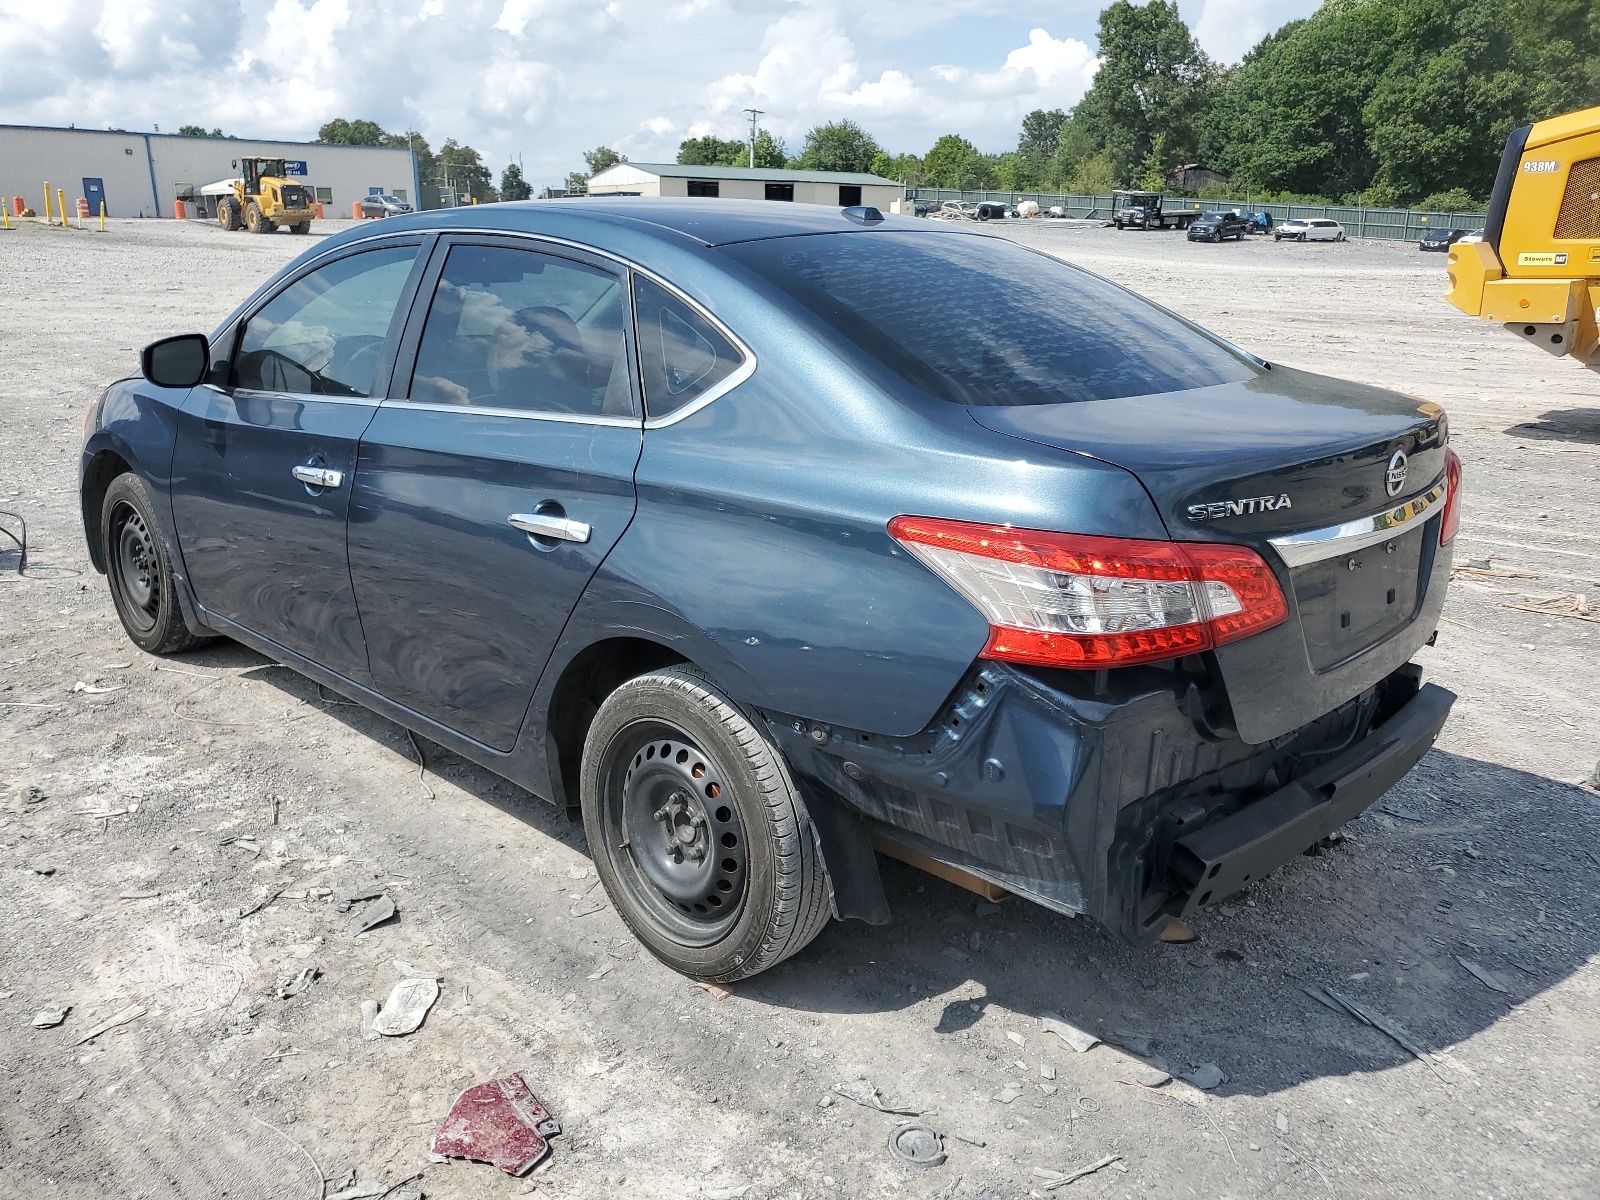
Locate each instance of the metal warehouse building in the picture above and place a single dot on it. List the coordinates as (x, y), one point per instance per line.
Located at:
(141, 174)
(841, 189)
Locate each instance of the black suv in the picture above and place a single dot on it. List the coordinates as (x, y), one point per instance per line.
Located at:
(1213, 227)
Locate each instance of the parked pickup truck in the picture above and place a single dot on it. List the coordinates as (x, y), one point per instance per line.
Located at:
(1142, 210)
(1214, 226)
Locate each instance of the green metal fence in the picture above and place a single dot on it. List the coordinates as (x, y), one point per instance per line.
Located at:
(1402, 224)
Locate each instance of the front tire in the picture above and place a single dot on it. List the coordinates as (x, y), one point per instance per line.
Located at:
(228, 214)
(139, 569)
(697, 830)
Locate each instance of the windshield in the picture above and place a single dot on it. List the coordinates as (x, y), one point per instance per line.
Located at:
(980, 320)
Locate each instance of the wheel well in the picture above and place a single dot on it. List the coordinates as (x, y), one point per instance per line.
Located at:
(588, 679)
(103, 468)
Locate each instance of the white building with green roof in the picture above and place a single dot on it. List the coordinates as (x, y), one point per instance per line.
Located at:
(839, 189)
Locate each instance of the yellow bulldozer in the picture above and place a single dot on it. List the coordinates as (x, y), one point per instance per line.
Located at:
(1537, 270)
(263, 199)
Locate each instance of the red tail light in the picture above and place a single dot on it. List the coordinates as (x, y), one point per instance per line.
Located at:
(1071, 600)
(1452, 502)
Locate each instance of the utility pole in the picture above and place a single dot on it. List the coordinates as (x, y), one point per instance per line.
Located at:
(754, 113)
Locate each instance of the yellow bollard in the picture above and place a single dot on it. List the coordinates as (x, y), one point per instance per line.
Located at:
(61, 203)
(474, 199)
(47, 217)
(102, 216)
(5, 214)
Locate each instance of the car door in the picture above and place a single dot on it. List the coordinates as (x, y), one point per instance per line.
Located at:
(487, 496)
(264, 457)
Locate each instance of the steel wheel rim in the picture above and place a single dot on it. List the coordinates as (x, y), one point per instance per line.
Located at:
(675, 834)
(136, 567)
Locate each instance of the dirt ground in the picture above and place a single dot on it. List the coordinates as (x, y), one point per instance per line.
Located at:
(145, 804)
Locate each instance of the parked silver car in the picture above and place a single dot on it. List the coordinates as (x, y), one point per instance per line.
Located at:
(383, 205)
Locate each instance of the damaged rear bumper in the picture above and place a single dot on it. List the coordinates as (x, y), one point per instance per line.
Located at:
(1227, 855)
(1132, 800)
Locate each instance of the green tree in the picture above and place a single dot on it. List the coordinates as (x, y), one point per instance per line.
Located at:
(1036, 148)
(838, 146)
(770, 150)
(906, 168)
(599, 159)
(712, 151)
(512, 185)
(1094, 176)
(602, 158)
(461, 167)
(198, 131)
(353, 133)
(1384, 101)
(955, 162)
(1154, 78)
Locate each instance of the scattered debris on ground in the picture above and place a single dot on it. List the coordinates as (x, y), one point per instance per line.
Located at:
(500, 1122)
(1078, 1039)
(918, 1145)
(1059, 1179)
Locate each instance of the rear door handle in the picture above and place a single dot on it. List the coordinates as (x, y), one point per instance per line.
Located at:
(550, 525)
(318, 477)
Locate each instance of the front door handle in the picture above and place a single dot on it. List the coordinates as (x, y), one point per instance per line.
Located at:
(318, 477)
(550, 525)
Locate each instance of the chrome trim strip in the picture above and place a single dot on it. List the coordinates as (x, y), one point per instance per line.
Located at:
(1298, 549)
(524, 413)
(295, 397)
(745, 370)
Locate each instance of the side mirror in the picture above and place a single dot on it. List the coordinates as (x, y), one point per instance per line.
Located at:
(177, 362)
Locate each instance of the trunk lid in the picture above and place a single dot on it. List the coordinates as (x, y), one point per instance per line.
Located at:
(1256, 463)
(1324, 443)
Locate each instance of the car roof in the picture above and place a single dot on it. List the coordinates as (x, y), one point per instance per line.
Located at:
(711, 222)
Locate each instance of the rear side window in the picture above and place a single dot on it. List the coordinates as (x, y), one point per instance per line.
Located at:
(323, 335)
(979, 320)
(520, 329)
(682, 356)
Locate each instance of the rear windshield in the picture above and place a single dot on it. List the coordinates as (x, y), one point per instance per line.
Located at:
(980, 320)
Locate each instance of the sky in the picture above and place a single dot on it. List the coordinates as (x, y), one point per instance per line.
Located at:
(540, 81)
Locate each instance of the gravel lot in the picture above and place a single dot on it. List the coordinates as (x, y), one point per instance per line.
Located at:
(208, 783)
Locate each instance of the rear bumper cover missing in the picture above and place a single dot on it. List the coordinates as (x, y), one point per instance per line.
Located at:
(1135, 806)
(1228, 855)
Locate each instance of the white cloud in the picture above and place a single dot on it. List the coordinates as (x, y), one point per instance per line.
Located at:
(810, 71)
(547, 79)
(1226, 29)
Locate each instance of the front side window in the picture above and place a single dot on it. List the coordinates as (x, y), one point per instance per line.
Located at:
(324, 334)
(1022, 327)
(682, 356)
(521, 329)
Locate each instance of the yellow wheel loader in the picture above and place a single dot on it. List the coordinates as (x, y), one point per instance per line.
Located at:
(1537, 270)
(263, 199)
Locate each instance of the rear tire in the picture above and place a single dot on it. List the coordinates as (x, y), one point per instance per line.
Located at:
(139, 570)
(697, 830)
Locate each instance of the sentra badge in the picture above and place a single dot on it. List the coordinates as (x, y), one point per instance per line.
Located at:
(1238, 508)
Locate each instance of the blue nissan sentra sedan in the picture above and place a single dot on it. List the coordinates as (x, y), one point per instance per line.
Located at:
(767, 538)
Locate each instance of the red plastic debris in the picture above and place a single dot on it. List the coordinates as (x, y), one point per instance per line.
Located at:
(499, 1122)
